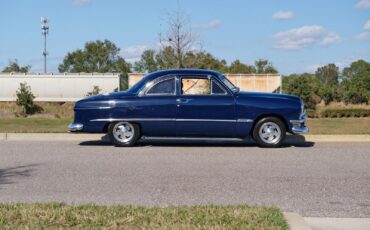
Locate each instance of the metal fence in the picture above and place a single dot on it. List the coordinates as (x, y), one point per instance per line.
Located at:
(57, 87)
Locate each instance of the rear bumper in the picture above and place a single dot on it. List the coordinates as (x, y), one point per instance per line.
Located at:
(299, 126)
(75, 127)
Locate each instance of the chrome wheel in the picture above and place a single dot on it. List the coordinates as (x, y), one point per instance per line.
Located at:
(270, 133)
(123, 132)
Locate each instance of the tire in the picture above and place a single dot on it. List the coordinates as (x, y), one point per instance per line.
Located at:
(269, 132)
(123, 133)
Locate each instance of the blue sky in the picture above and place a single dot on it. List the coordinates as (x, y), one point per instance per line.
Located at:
(295, 35)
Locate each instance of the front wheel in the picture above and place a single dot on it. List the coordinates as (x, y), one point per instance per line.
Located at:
(269, 132)
(123, 134)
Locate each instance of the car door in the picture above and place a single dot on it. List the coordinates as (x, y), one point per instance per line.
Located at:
(205, 108)
(156, 107)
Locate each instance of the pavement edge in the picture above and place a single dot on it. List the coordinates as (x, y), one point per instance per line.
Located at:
(296, 222)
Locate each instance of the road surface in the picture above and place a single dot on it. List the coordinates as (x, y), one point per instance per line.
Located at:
(317, 180)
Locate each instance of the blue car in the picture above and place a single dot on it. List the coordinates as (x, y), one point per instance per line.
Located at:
(190, 103)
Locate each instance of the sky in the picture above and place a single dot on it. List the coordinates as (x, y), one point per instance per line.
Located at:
(295, 35)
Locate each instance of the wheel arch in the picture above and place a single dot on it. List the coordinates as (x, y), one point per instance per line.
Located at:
(106, 126)
(261, 116)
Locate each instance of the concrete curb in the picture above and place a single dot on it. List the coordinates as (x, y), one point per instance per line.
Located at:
(2, 136)
(296, 222)
(328, 138)
(293, 139)
(51, 137)
(321, 223)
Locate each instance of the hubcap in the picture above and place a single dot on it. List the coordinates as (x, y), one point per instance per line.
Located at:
(123, 132)
(270, 133)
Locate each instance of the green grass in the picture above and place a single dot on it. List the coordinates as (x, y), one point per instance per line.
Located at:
(339, 126)
(317, 126)
(34, 125)
(56, 216)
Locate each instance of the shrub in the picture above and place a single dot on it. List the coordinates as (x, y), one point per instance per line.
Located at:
(96, 90)
(25, 99)
(311, 113)
(331, 113)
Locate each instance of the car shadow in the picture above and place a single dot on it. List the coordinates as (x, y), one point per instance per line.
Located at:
(291, 141)
(11, 174)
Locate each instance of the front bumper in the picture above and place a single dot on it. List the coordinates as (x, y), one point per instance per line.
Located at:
(75, 127)
(299, 126)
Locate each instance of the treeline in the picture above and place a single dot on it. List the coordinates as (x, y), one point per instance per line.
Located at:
(152, 60)
(328, 84)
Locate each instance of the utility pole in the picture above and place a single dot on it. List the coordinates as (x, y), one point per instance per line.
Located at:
(44, 31)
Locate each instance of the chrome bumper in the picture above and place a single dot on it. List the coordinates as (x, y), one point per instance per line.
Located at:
(299, 126)
(75, 127)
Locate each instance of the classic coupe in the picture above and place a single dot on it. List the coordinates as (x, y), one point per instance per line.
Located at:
(190, 103)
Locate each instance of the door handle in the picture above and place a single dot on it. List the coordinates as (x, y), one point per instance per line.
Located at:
(182, 100)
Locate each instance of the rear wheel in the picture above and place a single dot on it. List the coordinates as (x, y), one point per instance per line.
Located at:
(269, 132)
(123, 134)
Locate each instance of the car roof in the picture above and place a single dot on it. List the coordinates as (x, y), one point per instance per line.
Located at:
(160, 73)
(182, 71)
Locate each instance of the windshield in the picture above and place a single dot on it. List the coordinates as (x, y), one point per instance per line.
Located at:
(228, 83)
(138, 86)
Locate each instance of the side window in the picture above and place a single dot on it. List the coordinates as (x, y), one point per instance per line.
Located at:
(217, 89)
(165, 87)
(195, 86)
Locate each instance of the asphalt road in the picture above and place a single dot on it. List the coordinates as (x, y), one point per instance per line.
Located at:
(319, 179)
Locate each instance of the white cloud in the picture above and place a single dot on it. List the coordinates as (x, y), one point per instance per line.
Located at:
(330, 38)
(82, 2)
(133, 53)
(281, 15)
(209, 25)
(363, 36)
(363, 4)
(301, 37)
(367, 25)
(298, 38)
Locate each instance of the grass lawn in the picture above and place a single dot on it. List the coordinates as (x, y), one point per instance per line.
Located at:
(317, 126)
(55, 216)
(339, 126)
(34, 125)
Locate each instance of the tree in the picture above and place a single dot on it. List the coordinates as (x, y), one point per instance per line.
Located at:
(303, 86)
(25, 98)
(238, 67)
(147, 63)
(264, 67)
(357, 69)
(97, 56)
(355, 87)
(204, 60)
(328, 75)
(14, 67)
(178, 37)
(166, 58)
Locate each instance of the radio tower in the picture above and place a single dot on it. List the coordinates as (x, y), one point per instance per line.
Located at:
(44, 31)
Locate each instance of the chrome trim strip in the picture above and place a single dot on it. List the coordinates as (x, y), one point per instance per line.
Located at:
(171, 119)
(103, 107)
(213, 120)
(134, 119)
(245, 120)
(74, 127)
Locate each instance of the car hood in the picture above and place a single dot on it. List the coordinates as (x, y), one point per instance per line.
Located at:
(114, 95)
(101, 100)
(269, 95)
